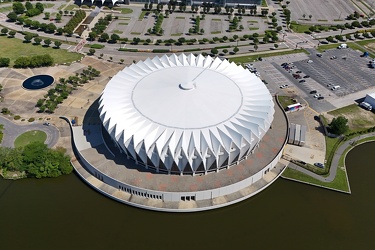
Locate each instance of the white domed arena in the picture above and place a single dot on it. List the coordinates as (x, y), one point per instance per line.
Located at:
(185, 114)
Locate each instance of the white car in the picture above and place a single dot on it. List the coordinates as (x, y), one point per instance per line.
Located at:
(284, 86)
(309, 61)
(317, 95)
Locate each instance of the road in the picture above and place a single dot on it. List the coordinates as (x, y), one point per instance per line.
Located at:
(12, 131)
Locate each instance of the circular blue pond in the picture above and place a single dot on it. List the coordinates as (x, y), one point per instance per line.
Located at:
(38, 82)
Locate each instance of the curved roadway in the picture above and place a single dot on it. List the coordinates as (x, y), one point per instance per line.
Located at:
(335, 161)
(12, 131)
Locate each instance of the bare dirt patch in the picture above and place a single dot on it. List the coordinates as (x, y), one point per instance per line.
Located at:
(358, 118)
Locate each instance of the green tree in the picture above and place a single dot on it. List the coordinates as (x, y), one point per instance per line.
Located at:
(104, 37)
(59, 31)
(40, 7)
(4, 62)
(339, 125)
(255, 47)
(29, 5)
(12, 16)
(18, 8)
(92, 36)
(12, 33)
(91, 51)
(214, 51)
(235, 50)
(57, 44)
(47, 42)
(28, 38)
(4, 31)
(47, 15)
(58, 17)
(114, 38)
(37, 40)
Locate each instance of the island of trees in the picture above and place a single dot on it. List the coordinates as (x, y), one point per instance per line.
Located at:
(34, 160)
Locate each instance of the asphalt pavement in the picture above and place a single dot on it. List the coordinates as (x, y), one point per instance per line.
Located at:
(12, 131)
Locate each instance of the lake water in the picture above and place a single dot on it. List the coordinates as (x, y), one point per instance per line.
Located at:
(64, 213)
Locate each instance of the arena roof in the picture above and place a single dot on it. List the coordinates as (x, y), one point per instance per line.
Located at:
(186, 114)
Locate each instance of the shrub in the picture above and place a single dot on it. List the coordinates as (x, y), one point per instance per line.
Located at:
(17, 117)
(97, 46)
(160, 50)
(31, 119)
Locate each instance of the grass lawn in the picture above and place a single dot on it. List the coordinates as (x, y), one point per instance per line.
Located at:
(125, 10)
(321, 48)
(340, 182)
(61, 7)
(71, 7)
(216, 19)
(252, 21)
(215, 32)
(366, 43)
(300, 28)
(30, 136)
(359, 118)
(285, 101)
(177, 34)
(13, 48)
(264, 3)
(6, 9)
(123, 23)
(117, 32)
(142, 15)
(135, 33)
(246, 59)
(253, 28)
(48, 5)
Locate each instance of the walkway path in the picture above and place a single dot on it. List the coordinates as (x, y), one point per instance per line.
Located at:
(335, 161)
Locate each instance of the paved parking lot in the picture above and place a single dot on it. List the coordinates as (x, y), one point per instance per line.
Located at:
(352, 74)
(349, 71)
(321, 10)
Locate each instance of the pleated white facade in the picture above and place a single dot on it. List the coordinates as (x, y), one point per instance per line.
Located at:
(192, 138)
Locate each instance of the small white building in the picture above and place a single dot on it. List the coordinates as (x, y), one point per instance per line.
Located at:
(370, 99)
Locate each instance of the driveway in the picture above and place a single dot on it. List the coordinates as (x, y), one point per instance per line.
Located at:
(12, 131)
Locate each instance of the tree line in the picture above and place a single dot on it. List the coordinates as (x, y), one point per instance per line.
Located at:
(35, 160)
(33, 61)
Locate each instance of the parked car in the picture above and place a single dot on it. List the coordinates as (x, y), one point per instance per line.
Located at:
(306, 76)
(319, 165)
(46, 123)
(301, 81)
(320, 97)
(333, 57)
(299, 72)
(309, 61)
(284, 86)
(313, 92)
(317, 95)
